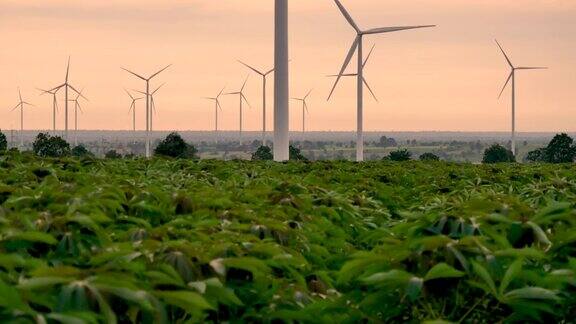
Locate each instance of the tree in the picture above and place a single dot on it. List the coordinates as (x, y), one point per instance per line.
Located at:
(113, 155)
(264, 153)
(296, 154)
(560, 150)
(399, 155)
(175, 146)
(50, 146)
(81, 151)
(497, 154)
(3, 142)
(429, 157)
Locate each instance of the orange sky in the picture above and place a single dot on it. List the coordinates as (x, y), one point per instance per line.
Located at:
(446, 78)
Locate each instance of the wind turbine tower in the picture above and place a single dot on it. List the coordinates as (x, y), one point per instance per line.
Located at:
(281, 83)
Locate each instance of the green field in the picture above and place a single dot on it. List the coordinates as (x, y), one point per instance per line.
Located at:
(105, 241)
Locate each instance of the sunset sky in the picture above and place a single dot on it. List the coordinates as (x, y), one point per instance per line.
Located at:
(447, 78)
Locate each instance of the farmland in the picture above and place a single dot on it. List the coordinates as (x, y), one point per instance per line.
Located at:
(156, 241)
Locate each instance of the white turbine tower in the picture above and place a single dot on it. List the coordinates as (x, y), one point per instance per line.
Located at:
(152, 105)
(54, 106)
(66, 85)
(242, 99)
(77, 107)
(304, 109)
(512, 77)
(217, 107)
(133, 109)
(357, 46)
(148, 112)
(281, 83)
(21, 104)
(264, 77)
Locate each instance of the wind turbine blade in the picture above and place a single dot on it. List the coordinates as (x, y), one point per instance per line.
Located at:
(246, 100)
(56, 88)
(244, 85)
(17, 106)
(141, 92)
(270, 71)
(369, 89)
(308, 94)
(78, 92)
(27, 103)
(208, 98)
(342, 75)
(532, 68)
(68, 69)
(232, 93)
(19, 94)
(393, 29)
(154, 92)
(347, 16)
(506, 84)
(164, 69)
(43, 92)
(505, 55)
(219, 94)
(251, 68)
(129, 94)
(137, 75)
(368, 57)
(306, 107)
(345, 65)
(218, 104)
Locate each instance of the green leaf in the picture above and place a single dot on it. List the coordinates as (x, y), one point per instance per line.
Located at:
(540, 234)
(32, 236)
(513, 270)
(443, 270)
(42, 282)
(481, 272)
(185, 300)
(414, 288)
(10, 298)
(392, 277)
(531, 293)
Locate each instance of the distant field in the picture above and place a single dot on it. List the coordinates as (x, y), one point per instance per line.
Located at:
(164, 241)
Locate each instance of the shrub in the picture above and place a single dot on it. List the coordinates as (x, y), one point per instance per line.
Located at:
(50, 146)
(112, 154)
(264, 153)
(3, 142)
(81, 151)
(429, 157)
(174, 146)
(400, 155)
(296, 154)
(538, 155)
(498, 154)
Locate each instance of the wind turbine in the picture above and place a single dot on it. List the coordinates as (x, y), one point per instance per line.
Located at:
(54, 106)
(152, 105)
(357, 46)
(264, 76)
(512, 77)
(66, 86)
(21, 105)
(76, 108)
(133, 109)
(281, 83)
(147, 80)
(242, 99)
(216, 108)
(304, 109)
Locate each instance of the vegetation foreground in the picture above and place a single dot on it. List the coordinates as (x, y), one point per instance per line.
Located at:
(86, 240)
